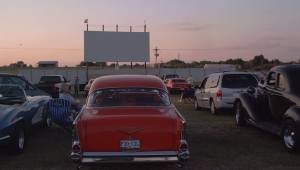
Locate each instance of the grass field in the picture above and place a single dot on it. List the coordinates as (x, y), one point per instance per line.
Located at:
(215, 144)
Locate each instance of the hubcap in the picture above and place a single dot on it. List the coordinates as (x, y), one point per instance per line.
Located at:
(289, 138)
(237, 113)
(21, 139)
(212, 108)
(48, 121)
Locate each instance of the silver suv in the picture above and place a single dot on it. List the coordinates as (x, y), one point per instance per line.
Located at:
(218, 90)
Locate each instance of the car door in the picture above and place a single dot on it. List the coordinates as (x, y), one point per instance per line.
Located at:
(278, 101)
(205, 92)
(276, 88)
(199, 92)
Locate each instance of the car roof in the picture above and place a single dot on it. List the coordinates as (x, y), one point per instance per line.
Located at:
(127, 81)
(286, 68)
(230, 72)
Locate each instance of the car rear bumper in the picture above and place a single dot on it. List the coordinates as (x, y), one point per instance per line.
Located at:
(127, 157)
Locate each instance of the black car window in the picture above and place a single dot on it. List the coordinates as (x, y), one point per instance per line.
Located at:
(203, 83)
(18, 81)
(5, 80)
(238, 81)
(271, 80)
(281, 82)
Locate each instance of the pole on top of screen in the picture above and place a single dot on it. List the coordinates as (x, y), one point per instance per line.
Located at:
(86, 21)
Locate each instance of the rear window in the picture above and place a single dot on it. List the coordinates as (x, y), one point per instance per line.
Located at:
(179, 81)
(50, 79)
(238, 81)
(128, 97)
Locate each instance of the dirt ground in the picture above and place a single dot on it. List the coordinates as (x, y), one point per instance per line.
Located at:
(215, 144)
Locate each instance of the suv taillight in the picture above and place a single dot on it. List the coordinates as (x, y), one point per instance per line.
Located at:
(219, 93)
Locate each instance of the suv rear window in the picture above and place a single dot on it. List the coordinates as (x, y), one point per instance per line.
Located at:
(50, 79)
(238, 81)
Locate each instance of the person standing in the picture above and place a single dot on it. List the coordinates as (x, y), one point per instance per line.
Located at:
(76, 86)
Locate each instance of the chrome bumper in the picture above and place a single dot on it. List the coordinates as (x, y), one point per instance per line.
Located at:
(125, 157)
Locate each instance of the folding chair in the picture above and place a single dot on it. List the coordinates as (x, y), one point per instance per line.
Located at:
(60, 113)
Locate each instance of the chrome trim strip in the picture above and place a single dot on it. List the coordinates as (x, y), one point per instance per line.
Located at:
(129, 154)
(130, 159)
(5, 137)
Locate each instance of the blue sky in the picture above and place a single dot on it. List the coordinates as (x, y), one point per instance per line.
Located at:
(34, 30)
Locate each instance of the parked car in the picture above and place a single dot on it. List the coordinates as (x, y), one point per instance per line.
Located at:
(129, 118)
(52, 84)
(217, 91)
(30, 89)
(88, 86)
(169, 76)
(19, 114)
(274, 106)
(177, 85)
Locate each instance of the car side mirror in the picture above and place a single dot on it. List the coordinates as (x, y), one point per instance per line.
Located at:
(197, 87)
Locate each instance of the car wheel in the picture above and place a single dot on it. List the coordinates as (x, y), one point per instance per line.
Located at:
(290, 136)
(196, 104)
(19, 140)
(239, 114)
(213, 109)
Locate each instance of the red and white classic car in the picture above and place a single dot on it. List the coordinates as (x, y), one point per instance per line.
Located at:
(129, 118)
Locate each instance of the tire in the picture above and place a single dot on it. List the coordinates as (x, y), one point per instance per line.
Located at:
(48, 121)
(213, 109)
(19, 140)
(196, 105)
(290, 136)
(240, 119)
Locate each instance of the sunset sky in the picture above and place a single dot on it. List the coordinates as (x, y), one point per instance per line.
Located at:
(34, 30)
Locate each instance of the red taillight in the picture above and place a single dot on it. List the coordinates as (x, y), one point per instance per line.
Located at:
(76, 147)
(219, 93)
(183, 145)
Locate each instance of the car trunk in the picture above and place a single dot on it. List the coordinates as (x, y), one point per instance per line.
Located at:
(181, 85)
(154, 128)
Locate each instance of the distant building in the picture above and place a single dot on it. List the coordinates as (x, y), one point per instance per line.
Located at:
(47, 64)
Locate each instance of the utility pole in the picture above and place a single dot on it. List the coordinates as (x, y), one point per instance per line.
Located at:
(156, 54)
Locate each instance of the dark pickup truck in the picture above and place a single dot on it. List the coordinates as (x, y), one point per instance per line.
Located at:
(52, 84)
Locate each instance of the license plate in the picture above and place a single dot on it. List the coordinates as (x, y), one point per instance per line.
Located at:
(129, 144)
(182, 89)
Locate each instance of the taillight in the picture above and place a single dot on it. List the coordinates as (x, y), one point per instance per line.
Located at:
(76, 147)
(219, 93)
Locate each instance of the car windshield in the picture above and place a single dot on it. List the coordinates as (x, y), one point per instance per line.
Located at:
(293, 77)
(179, 81)
(128, 97)
(238, 81)
(50, 79)
(10, 94)
(169, 76)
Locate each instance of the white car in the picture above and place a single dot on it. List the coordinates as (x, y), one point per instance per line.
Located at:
(217, 91)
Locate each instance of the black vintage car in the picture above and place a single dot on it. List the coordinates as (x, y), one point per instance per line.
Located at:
(274, 106)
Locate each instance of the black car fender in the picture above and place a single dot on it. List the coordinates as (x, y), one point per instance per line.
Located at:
(249, 103)
(293, 113)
